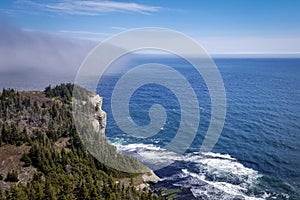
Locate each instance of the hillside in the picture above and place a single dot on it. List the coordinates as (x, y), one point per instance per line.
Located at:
(42, 155)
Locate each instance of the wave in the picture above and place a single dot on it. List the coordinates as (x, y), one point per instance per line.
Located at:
(207, 175)
(219, 176)
(151, 155)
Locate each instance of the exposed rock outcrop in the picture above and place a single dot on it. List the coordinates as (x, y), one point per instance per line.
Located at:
(150, 177)
(99, 124)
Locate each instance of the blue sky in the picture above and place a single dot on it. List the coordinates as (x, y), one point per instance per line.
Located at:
(221, 26)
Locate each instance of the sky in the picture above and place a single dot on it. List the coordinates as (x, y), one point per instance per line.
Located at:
(42, 41)
(221, 26)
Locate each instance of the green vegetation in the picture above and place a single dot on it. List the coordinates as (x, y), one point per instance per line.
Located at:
(170, 194)
(12, 176)
(26, 159)
(86, 111)
(64, 168)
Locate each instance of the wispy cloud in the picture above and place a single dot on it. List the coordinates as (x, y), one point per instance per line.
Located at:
(84, 32)
(118, 28)
(89, 35)
(90, 7)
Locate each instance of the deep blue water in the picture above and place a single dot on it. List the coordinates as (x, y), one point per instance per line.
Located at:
(258, 153)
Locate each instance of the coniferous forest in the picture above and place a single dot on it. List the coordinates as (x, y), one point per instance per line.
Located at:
(51, 162)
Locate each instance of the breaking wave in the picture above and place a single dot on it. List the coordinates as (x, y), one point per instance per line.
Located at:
(206, 175)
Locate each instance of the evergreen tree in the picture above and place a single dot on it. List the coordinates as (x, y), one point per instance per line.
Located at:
(12, 176)
(63, 170)
(26, 159)
(49, 192)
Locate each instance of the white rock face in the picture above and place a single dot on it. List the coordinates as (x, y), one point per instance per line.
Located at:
(150, 177)
(96, 99)
(99, 124)
(99, 121)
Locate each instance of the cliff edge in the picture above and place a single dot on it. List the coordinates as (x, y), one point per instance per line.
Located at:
(90, 121)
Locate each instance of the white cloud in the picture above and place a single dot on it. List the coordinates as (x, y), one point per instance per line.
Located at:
(84, 32)
(118, 28)
(91, 7)
(88, 35)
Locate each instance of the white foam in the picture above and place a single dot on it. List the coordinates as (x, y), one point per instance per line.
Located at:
(227, 190)
(221, 166)
(218, 155)
(152, 156)
(140, 146)
(217, 172)
(230, 167)
(185, 171)
(176, 176)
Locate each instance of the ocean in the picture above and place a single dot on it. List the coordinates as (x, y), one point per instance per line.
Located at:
(258, 153)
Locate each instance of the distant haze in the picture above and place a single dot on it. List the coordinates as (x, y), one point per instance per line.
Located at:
(32, 60)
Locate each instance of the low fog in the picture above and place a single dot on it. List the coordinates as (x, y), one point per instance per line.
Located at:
(33, 60)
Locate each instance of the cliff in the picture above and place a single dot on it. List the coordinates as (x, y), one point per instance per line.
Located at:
(99, 125)
(99, 121)
(43, 155)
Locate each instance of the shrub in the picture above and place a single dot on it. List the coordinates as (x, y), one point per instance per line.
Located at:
(12, 176)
